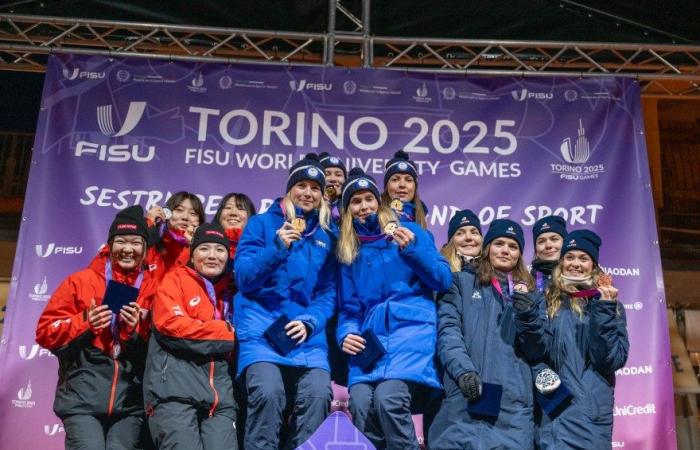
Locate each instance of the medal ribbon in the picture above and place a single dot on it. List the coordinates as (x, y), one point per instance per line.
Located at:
(211, 294)
(114, 325)
(586, 293)
(539, 278)
(496, 285)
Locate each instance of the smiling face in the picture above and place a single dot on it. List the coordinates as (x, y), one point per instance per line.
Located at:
(334, 177)
(504, 254)
(127, 251)
(401, 186)
(467, 240)
(577, 264)
(233, 214)
(362, 204)
(184, 216)
(548, 246)
(306, 195)
(209, 259)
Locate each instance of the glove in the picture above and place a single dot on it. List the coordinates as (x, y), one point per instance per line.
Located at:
(522, 302)
(470, 385)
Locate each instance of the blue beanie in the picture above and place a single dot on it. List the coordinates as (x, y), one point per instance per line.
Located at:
(460, 219)
(328, 161)
(308, 168)
(549, 224)
(584, 240)
(357, 181)
(504, 228)
(400, 164)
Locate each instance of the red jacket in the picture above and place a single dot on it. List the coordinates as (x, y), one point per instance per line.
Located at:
(189, 355)
(172, 251)
(86, 367)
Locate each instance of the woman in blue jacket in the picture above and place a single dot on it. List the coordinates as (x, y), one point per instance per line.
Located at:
(285, 265)
(584, 340)
(387, 283)
(477, 344)
(401, 190)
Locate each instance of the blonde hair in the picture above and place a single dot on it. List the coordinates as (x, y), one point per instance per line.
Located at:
(450, 253)
(324, 211)
(349, 244)
(557, 289)
(420, 218)
(519, 273)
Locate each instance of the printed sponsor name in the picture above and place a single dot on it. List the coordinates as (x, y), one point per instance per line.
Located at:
(634, 410)
(634, 370)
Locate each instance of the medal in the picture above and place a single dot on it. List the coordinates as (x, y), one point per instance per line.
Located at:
(331, 193)
(116, 349)
(167, 213)
(299, 224)
(605, 280)
(396, 205)
(390, 228)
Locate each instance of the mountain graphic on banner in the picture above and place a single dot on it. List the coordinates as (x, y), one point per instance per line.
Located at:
(337, 433)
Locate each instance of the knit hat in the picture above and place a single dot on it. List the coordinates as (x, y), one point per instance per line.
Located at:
(400, 164)
(549, 224)
(209, 233)
(504, 228)
(129, 221)
(328, 161)
(308, 168)
(460, 219)
(584, 240)
(358, 181)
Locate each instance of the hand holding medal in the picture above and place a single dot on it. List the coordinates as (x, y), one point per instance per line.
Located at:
(403, 236)
(288, 233)
(606, 288)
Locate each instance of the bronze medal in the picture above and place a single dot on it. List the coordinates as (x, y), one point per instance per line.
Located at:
(396, 205)
(605, 280)
(299, 224)
(390, 228)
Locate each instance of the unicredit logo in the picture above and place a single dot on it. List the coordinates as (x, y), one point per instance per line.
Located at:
(633, 410)
(133, 116)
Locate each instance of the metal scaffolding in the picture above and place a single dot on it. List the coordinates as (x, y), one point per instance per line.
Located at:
(664, 71)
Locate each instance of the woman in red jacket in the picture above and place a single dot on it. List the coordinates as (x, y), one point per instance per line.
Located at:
(101, 355)
(188, 389)
(233, 215)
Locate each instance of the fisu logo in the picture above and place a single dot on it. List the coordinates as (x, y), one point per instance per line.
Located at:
(133, 117)
(51, 430)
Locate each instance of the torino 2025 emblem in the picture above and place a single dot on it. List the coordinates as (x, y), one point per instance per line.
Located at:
(576, 154)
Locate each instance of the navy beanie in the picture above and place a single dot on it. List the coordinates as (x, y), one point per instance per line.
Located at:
(209, 233)
(358, 181)
(328, 161)
(308, 168)
(460, 219)
(400, 164)
(129, 220)
(504, 228)
(584, 240)
(549, 224)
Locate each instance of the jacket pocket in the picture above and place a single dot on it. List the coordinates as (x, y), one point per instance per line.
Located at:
(412, 313)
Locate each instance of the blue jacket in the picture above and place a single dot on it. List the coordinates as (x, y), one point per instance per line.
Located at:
(585, 352)
(273, 280)
(391, 291)
(476, 332)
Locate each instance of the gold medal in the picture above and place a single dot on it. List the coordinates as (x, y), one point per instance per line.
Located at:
(299, 224)
(331, 193)
(390, 228)
(396, 205)
(605, 280)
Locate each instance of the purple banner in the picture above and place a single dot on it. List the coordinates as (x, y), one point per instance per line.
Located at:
(117, 132)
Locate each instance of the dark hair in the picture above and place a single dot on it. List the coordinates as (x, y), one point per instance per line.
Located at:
(242, 202)
(179, 197)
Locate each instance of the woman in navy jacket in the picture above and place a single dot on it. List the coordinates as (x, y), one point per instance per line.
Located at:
(464, 239)
(477, 344)
(285, 265)
(401, 190)
(387, 284)
(584, 340)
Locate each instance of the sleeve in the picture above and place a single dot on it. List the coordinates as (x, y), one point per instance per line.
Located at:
(147, 294)
(427, 262)
(63, 326)
(176, 331)
(451, 345)
(534, 335)
(322, 305)
(255, 260)
(350, 315)
(608, 341)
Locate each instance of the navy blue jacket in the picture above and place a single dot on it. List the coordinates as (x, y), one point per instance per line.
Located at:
(391, 291)
(476, 332)
(585, 352)
(273, 280)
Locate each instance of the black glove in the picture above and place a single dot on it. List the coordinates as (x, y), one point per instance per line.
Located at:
(522, 302)
(470, 385)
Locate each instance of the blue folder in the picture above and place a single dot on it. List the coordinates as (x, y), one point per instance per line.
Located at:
(277, 337)
(119, 294)
(373, 351)
(489, 404)
(554, 402)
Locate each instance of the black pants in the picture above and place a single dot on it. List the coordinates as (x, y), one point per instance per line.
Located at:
(176, 425)
(85, 432)
(273, 390)
(382, 412)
